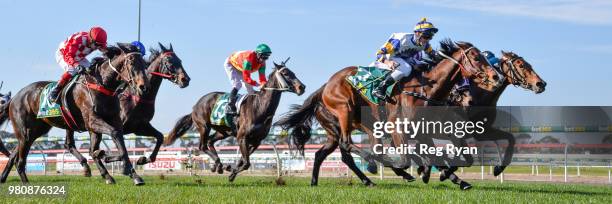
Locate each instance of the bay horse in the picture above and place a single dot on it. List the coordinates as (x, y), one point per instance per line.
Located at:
(516, 71)
(254, 121)
(95, 109)
(4, 102)
(338, 108)
(137, 110)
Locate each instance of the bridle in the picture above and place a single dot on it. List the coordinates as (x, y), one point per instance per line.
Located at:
(166, 67)
(517, 78)
(471, 69)
(281, 81)
(130, 77)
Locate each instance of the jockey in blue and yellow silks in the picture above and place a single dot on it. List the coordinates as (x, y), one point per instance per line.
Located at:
(402, 51)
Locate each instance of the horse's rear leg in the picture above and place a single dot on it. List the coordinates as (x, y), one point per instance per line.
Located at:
(212, 152)
(320, 155)
(347, 158)
(98, 155)
(148, 130)
(71, 147)
(22, 155)
(8, 167)
(100, 126)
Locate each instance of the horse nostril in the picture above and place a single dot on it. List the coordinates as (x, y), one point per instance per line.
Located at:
(495, 77)
(142, 88)
(541, 84)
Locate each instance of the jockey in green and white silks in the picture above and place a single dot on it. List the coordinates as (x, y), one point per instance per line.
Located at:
(402, 51)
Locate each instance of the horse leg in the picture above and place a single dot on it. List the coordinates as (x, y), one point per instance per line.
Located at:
(9, 166)
(347, 158)
(343, 114)
(210, 150)
(22, 152)
(147, 129)
(246, 150)
(98, 155)
(507, 154)
(320, 156)
(116, 134)
(71, 147)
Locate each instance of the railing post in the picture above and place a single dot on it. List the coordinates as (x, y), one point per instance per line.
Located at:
(550, 170)
(565, 165)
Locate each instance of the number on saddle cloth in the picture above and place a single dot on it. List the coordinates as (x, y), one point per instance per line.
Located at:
(366, 79)
(219, 115)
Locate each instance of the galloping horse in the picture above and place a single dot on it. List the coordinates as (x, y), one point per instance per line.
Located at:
(137, 110)
(94, 108)
(516, 71)
(255, 118)
(4, 102)
(339, 108)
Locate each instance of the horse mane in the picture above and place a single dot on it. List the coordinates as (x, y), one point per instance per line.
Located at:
(448, 47)
(154, 54)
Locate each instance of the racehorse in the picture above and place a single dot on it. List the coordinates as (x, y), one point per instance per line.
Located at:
(137, 110)
(339, 109)
(254, 121)
(516, 71)
(92, 106)
(4, 101)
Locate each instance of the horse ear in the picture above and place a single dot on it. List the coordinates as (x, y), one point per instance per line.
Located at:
(275, 65)
(171, 49)
(162, 47)
(504, 52)
(9, 94)
(124, 47)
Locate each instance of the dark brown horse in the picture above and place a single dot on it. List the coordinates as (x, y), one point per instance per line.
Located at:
(137, 110)
(94, 105)
(4, 102)
(255, 118)
(516, 71)
(339, 109)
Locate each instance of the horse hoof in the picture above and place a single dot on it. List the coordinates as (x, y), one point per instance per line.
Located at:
(443, 175)
(465, 185)
(228, 168)
(110, 181)
(425, 178)
(142, 160)
(370, 184)
(409, 178)
(497, 170)
(372, 168)
(232, 177)
(87, 173)
(138, 181)
(220, 170)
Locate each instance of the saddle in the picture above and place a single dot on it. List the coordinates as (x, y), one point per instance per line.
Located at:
(219, 115)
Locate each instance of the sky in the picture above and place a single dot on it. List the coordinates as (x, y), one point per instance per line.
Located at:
(566, 41)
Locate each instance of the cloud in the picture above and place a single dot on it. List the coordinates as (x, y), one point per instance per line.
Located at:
(589, 12)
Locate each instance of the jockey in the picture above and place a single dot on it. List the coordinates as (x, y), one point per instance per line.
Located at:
(239, 66)
(491, 58)
(72, 52)
(141, 47)
(403, 51)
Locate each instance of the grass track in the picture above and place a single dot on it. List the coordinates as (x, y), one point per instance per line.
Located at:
(216, 189)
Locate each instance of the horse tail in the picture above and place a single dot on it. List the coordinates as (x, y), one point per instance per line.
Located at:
(180, 128)
(300, 119)
(4, 115)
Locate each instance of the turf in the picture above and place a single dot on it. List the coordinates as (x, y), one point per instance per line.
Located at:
(216, 189)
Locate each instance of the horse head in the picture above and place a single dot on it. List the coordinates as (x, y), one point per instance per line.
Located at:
(520, 73)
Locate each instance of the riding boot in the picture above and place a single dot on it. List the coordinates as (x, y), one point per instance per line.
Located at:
(231, 105)
(60, 85)
(381, 91)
